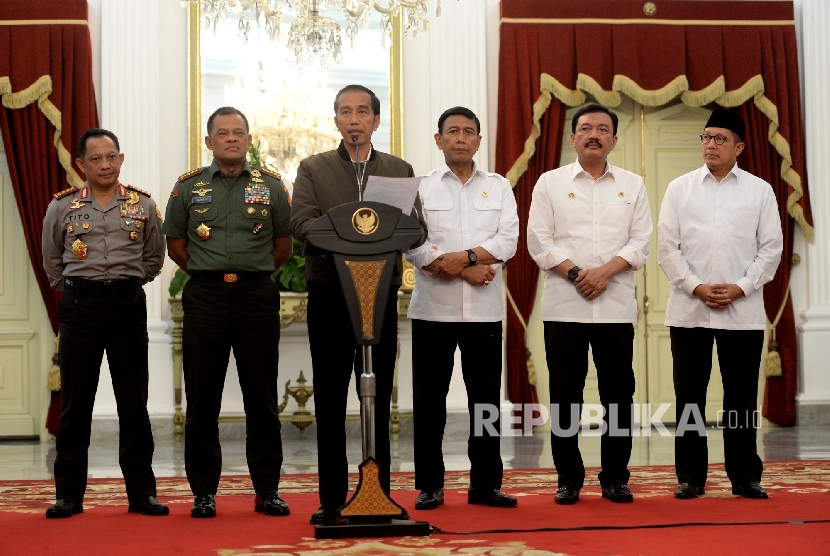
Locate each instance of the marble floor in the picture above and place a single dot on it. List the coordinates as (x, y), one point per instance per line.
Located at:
(34, 460)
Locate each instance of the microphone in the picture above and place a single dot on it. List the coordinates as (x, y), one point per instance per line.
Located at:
(358, 170)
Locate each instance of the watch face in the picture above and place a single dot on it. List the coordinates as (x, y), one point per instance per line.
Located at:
(472, 256)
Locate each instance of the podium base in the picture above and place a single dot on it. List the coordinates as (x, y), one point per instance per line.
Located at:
(357, 528)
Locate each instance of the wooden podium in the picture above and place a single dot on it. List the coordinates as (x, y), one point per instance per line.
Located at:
(364, 238)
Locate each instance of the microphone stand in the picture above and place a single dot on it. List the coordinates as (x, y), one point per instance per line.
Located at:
(358, 169)
(368, 381)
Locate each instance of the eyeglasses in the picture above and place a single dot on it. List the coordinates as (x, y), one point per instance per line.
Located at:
(719, 139)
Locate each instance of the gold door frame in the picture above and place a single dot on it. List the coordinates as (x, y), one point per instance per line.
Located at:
(194, 88)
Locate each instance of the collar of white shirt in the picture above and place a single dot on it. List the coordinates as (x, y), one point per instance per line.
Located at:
(444, 169)
(707, 173)
(578, 169)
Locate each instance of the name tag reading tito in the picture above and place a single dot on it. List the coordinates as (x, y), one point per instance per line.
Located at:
(205, 199)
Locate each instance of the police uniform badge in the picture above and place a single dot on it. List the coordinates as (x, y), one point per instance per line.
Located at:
(79, 249)
(134, 235)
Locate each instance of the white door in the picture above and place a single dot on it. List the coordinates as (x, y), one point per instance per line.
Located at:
(26, 340)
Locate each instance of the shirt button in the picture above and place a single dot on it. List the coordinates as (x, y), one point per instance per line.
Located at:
(230, 256)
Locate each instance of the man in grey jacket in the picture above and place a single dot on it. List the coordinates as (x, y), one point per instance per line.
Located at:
(324, 181)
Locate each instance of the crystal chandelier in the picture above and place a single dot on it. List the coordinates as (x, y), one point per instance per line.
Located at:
(313, 36)
(289, 114)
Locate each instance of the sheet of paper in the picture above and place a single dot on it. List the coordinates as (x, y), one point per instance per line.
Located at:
(398, 192)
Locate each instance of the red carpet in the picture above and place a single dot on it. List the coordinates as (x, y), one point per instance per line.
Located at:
(799, 492)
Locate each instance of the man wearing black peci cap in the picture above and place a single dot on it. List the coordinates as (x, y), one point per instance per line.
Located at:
(719, 242)
(101, 242)
(227, 227)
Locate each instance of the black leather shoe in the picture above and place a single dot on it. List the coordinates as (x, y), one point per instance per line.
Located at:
(752, 489)
(148, 505)
(270, 503)
(618, 493)
(204, 506)
(429, 499)
(687, 490)
(64, 508)
(490, 497)
(325, 516)
(566, 495)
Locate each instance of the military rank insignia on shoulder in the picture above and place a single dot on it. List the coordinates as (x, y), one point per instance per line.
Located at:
(271, 173)
(65, 192)
(191, 173)
(142, 191)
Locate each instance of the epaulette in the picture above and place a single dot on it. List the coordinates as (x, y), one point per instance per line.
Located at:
(191, 173)
(271, 173)
(65, 192)
(142, 191)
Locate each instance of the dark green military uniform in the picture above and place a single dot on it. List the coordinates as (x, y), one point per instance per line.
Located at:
(229, 303)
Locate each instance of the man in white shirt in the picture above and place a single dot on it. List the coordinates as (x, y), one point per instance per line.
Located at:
(458, 301)
(719, 242)
(589, 230)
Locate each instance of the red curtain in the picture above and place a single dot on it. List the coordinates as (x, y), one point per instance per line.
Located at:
(48, 101)
(738, 54)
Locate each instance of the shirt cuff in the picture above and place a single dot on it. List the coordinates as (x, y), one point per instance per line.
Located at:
(690, 283)
(746, 285)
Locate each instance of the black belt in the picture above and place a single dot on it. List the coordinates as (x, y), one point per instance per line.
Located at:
(229, 277)
(101, 288)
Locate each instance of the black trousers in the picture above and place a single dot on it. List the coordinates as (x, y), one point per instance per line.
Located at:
(218, 318)
(335, 357)
(566, 347)
(91, 325)
(739, 356)
(433, 358)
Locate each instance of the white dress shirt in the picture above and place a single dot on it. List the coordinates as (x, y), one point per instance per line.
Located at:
(573, 216)
(711, 232)
(460, 216)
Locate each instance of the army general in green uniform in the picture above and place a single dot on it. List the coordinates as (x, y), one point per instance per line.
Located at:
(227, 227)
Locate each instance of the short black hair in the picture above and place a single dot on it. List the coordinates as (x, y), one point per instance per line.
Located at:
(458, 111)
(362, 89)
(594, 108)
(95, 132)
(226, 111)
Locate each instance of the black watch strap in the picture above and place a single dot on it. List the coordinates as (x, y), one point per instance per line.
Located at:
(573, 273)
(471, 255)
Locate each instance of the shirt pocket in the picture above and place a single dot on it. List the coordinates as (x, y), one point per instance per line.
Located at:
(202, 214)
(258, 218)
(438, 214)
(78, 228)
(487, 213)
(133, 228)
(745, 221)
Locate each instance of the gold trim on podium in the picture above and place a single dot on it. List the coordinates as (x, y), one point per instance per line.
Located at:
(369, 498)
(366, 277)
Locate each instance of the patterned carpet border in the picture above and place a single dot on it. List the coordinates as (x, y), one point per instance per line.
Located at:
(792, 476)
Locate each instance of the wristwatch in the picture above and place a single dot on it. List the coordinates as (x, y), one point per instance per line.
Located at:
(573, 273)
(472, 256)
